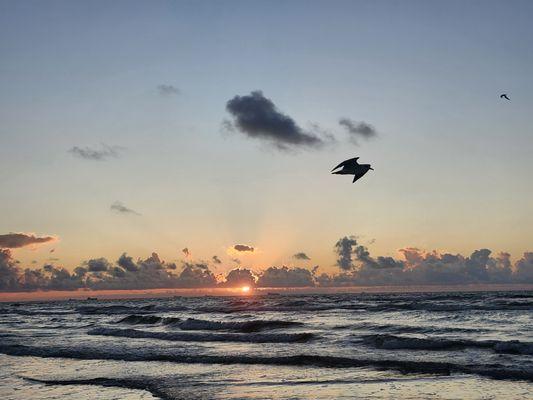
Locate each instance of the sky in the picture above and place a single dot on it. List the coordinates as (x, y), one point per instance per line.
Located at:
(116, 134)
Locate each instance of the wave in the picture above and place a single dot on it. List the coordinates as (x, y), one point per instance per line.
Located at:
(386, 307)
(137, 384)
(189, 389)
(393, 328)
(113, 309)
(392, 342)
(193, 324)
(495, 371)
(141, 320)
(205, 337)
(21, 311)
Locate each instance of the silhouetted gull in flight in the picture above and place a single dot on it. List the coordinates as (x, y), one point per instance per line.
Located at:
(352, 167)
(504, 96)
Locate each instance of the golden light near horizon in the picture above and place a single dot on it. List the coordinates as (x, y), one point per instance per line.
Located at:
(245, 289)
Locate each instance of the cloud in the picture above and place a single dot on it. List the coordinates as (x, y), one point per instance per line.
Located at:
(186, 251)
(419, 267)
(301, 256)
(243, 248)
(196, 275)
(96, 154)
(286, 277)
(120, 208)
(98, 265)
(127, 263)
(168, 90)
(239, 277)
(357, 267)
(344, 249)
(16, 240)
(9, 272)
(357, 129)
(236, 261)
(216, 260)
(258, 117)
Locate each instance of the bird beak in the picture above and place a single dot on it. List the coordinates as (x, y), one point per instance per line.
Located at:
(372, 168)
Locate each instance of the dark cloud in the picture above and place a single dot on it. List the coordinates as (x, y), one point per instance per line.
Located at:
(216, 260)
(127, 263)
(286, 277)
(301, 256)
(243, 247)
(344, 249)
(16, 240)
(357, 130)
(258, 117)
(168, 90)
(196, 275)
(239, 277)
(96, 154)
(98, 265)
(9, 272)
(120, 208)
(357, 268)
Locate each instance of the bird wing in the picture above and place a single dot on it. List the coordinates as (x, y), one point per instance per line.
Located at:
(347, 162)
(358, 175)
(504, 96)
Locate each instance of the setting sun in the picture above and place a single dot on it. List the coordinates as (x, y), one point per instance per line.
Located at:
(245, 289)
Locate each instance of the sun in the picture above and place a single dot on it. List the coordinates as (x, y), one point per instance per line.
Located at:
(245, 289)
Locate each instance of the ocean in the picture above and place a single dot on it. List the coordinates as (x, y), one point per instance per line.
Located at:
(323, 346)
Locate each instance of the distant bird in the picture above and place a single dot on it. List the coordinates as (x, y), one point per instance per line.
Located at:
(504, 96)
(352, 167)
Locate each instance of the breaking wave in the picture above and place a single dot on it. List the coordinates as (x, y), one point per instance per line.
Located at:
(193, 324)
(392, 342)
(205, 337)
(495, 371)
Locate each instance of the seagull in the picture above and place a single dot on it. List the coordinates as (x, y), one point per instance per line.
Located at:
(352, 167)
(504, 96)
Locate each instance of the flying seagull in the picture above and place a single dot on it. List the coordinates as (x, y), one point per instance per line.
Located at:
(504, 96)
(352, 167)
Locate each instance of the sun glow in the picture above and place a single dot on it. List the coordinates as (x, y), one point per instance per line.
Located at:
(245, 289)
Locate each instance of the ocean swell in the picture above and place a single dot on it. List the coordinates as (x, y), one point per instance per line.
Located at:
(393, 342)
(205, 337)
(495, 371)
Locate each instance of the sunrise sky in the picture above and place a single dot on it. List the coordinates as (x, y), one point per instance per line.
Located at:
(114, 128)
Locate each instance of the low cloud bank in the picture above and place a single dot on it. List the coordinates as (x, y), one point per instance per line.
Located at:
(16, 240)
(357, 267)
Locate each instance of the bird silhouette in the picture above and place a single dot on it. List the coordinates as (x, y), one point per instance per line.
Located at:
(352, 167)
(504, 96)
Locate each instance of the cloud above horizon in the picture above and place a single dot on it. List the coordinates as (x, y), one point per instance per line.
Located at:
(103, 153)
(120, 208)
(357, 267)
(258, 117)
(243, 248)
(168, 90)
(301, 256)
(17, 240)
(357, 130)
